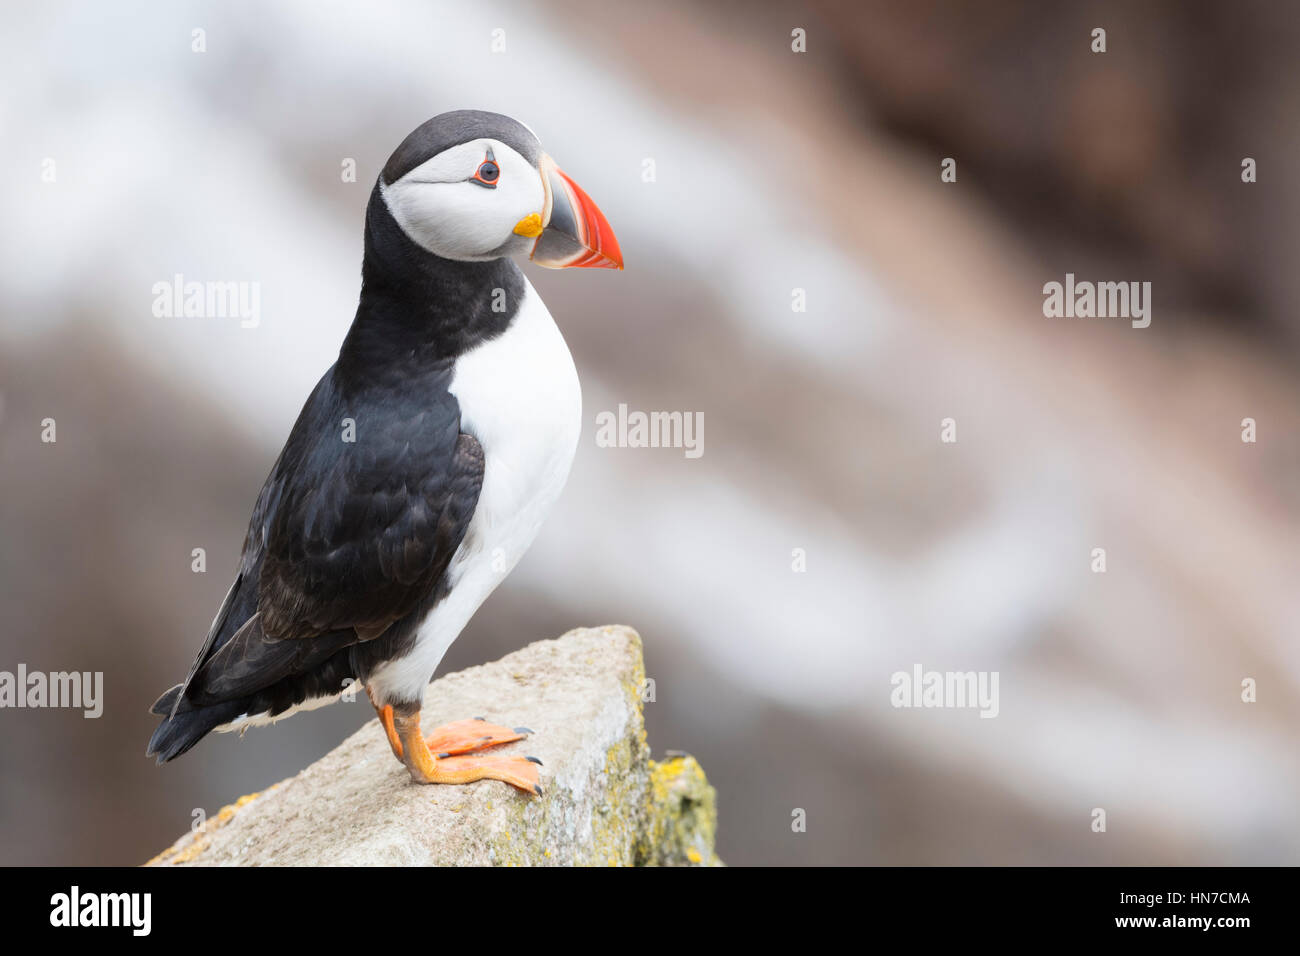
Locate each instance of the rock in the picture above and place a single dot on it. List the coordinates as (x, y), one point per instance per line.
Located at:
(606, 802)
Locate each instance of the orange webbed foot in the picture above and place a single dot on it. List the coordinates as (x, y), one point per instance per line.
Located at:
(447, 755)
(520, 772)
(467, 736)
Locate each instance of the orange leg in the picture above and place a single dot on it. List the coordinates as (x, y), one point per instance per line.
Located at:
(386, 720)
(438, 765)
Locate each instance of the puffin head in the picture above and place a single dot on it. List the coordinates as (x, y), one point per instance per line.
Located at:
(474, 186)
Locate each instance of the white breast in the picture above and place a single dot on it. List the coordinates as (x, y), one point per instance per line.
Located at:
(519, 396)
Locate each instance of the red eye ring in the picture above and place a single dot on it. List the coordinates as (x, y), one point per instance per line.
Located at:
(488, 173)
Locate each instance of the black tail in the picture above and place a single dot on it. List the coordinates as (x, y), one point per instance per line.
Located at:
(177, 734)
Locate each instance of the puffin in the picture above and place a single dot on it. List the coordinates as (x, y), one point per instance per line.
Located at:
(423, 463)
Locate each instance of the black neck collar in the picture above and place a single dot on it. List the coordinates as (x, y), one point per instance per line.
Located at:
(419, 310)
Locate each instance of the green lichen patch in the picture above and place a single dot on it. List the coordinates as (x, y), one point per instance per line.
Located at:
(682, 816)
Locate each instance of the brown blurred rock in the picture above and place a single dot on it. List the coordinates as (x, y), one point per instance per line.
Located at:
(1131, 157)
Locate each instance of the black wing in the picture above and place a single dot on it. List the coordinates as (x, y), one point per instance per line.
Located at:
(347, 536)
(364, 540)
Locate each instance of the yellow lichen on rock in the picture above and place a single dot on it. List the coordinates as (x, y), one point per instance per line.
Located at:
(189, 847)
(683, 815)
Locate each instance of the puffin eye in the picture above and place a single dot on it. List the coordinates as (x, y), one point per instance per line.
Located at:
(487, 174)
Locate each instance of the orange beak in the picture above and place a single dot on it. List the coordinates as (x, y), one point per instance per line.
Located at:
(575, 233)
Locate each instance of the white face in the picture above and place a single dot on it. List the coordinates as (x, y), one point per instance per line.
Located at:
(443, 208)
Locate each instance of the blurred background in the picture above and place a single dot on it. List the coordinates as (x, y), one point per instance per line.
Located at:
(774, 170)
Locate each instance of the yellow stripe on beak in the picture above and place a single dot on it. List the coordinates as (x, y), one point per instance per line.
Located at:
(530, 226)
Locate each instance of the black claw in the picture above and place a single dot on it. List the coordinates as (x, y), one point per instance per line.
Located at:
(537, 789)
(480, 718)
(443, 756)
(524, 730)
(536, 761)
